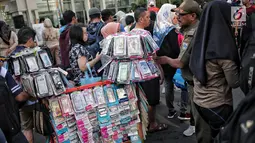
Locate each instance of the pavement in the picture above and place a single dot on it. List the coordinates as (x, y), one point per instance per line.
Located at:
(175, 126)
(174, 134)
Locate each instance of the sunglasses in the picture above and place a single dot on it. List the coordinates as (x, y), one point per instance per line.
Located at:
(182, 14)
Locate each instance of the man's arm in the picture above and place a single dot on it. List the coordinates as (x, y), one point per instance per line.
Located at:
(175, 63)
(16, 89)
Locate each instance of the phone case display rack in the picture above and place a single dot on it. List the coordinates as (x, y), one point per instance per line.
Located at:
(127, 58)
(99, 112)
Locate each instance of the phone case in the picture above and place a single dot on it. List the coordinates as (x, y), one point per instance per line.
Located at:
(99, 95)
(66, 106)
(45, 59)
(78, 101)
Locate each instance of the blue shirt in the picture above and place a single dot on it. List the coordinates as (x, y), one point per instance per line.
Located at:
(18, 49)
(12, 84)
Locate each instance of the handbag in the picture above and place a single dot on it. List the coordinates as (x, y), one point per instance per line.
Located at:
(89, 80)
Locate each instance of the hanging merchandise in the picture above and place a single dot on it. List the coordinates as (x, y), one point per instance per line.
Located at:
(131, 58)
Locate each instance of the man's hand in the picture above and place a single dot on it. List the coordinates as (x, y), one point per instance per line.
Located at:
(162, 60)
(8, 51)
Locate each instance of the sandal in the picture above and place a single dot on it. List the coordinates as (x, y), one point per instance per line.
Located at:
(159, 127)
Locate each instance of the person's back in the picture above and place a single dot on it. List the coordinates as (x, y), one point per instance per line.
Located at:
(50, 34)
(64, 43)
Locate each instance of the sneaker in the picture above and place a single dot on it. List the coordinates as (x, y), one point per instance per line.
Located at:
(184, 116)
(190, 131)
(171, 114)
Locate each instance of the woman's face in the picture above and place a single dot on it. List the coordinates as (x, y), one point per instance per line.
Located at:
(85, 34)
(175, 20)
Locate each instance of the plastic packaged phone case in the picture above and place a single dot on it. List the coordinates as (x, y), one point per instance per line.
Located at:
(45, 59)
(16, 66)
(88, 95)
(144, 69)
(111, 95)
(153, 67)
(66, 106)
(152, 43)
(122, 95)
(57, 83)
(123, 74)
(78, 101)
(120, 46)
(134, 46)
(31, 62)
(99, 95)
(115, 72)
(135, 74)
(111, 70)
(55, 107)
(42, 85)
(103, 116)
(28, 84)
(105, 45)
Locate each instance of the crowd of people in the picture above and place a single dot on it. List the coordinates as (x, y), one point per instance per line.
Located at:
(201, 41)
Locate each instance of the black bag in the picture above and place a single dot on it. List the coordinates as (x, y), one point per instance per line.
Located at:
(42, 122)
(247, 71)
(9, 119)
(240, 127)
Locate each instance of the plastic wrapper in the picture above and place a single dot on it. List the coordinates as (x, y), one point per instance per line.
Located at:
(120, 46)
(27, 82)
(43, 89)
(78, 101)
(134, 47)
(110, 93)
(99, 95)
(57, 83)
(66, 105)
(124, 73)
(135, 74)
(31, 63)
(88, 95)
(46, 62)
(144, 69)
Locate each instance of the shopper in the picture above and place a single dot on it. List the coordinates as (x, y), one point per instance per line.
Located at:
(188, 16)
(107, 16)
(110, 28)
(70, 19)
(152, 87)
(94, 27)
(167, 39)
(79, 55)
(50, 39)
(152, 7)
(215, 65)
(129, 22)
(8, 39)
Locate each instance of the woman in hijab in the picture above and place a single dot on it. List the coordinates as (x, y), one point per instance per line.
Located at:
(165, 35)
(110, 28)
(214, 63)
(50, 38)
(8, 39)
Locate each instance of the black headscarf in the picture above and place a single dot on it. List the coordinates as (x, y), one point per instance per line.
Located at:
(214, 39)
(5, 32)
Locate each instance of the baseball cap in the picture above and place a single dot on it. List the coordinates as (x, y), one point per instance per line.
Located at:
(188, 6)
(152, 3)
(94, 11)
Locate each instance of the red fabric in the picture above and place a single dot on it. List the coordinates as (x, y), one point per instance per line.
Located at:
(250, 10)
(180, 39)
(155, 9)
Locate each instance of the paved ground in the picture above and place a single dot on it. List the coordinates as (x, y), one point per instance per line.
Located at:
(176, 128)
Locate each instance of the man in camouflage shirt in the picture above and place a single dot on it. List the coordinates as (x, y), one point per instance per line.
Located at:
(188, 16)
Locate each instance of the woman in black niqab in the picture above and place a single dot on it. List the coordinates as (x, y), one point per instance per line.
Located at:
(214, 39)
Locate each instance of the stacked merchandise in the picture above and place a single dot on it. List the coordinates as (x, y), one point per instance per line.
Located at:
(40, 80)
(104, 113)
(128, 58)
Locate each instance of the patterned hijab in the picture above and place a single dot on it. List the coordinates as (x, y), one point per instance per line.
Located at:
(163, 24)
(5, 32)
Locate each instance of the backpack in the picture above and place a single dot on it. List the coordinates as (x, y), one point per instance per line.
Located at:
(9, 119)
(247, 81)
(240, 128)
